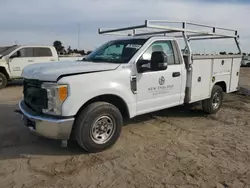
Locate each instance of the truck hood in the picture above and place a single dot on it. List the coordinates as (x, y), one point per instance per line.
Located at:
(52, 71)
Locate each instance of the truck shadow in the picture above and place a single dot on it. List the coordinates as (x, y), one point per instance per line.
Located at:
(178, 111)
(16, 141)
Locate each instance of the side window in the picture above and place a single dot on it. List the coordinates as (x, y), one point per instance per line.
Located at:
(25, 52)
(164, 46)
(42, 52)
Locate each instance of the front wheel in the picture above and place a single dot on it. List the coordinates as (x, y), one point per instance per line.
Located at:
(3, 81)
(213, 104)
(98, 127)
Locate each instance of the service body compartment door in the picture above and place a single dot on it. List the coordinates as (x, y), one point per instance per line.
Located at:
(222, 66)
(227, 70)
(201, 79)
(234, 82)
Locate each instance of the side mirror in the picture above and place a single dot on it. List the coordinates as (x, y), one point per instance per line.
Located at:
(13, 56)
(16, 54)
(159, 61)
(140, 64)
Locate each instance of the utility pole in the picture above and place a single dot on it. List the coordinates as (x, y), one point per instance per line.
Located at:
(78, 36)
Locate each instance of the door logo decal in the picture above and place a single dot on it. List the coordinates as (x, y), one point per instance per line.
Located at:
(161, 80)
(162, 88)
(16, 68)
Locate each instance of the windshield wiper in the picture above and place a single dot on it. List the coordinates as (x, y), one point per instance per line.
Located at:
(102, 60)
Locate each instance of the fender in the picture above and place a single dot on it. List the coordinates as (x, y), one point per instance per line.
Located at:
(88, 86)
(225, 79)
(5, 66)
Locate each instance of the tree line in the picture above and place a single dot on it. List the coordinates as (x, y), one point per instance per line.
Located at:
(230, 53)
(62, 51)
(225, 53)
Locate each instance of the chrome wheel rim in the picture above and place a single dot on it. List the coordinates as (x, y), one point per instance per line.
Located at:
(216, 101)
(102, 130)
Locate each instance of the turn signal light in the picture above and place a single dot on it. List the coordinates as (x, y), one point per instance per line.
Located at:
(63, 92)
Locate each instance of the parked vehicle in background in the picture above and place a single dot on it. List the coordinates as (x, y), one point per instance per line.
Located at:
(245, 61)
(124, 78)
(14, 58)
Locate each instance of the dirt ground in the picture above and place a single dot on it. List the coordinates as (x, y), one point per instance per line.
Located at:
(175, 148)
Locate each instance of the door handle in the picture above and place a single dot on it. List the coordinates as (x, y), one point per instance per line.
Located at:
(30, 60)
(176, 74)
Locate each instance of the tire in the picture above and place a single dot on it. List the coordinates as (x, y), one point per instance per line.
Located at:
(213, 104)
(87, 130)
(3, 81)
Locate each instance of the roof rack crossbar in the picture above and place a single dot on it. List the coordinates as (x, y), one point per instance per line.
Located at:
(188, 30)
(205, 38)
(191, 23)
(102, 31)
(154, 33)
(162, 29)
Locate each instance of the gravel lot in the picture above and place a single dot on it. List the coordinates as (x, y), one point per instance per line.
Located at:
(172, 148)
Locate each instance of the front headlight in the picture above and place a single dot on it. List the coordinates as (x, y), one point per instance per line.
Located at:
(56, 94)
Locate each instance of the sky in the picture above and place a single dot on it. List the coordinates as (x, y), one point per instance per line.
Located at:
(44, 21)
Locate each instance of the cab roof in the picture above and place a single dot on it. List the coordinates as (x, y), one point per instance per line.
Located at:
(144, 37)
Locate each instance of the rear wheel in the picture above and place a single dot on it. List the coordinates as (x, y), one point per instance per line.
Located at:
(98, 127)
(213, 104)
(3, 81)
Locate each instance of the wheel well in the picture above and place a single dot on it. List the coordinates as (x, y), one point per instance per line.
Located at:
(112, 99)
(3, 70)
(222, 85)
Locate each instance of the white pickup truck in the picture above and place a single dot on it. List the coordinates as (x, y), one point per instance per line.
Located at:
(245, 61)
(14, 58)
(124, 78)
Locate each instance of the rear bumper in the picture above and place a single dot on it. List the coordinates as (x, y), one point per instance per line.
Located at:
(50, 127)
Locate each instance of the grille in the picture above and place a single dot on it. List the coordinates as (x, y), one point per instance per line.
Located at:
(34, 96)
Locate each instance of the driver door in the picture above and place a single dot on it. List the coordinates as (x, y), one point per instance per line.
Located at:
(20, 59)
(160, 89)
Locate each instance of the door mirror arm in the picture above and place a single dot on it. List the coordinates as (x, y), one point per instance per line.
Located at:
(15, 55)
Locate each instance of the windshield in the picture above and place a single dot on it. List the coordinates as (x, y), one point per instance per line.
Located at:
(7, 49)
(117, 51)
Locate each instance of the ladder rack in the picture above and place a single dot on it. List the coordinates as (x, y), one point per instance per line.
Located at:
(155, 27)
(162, 27)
